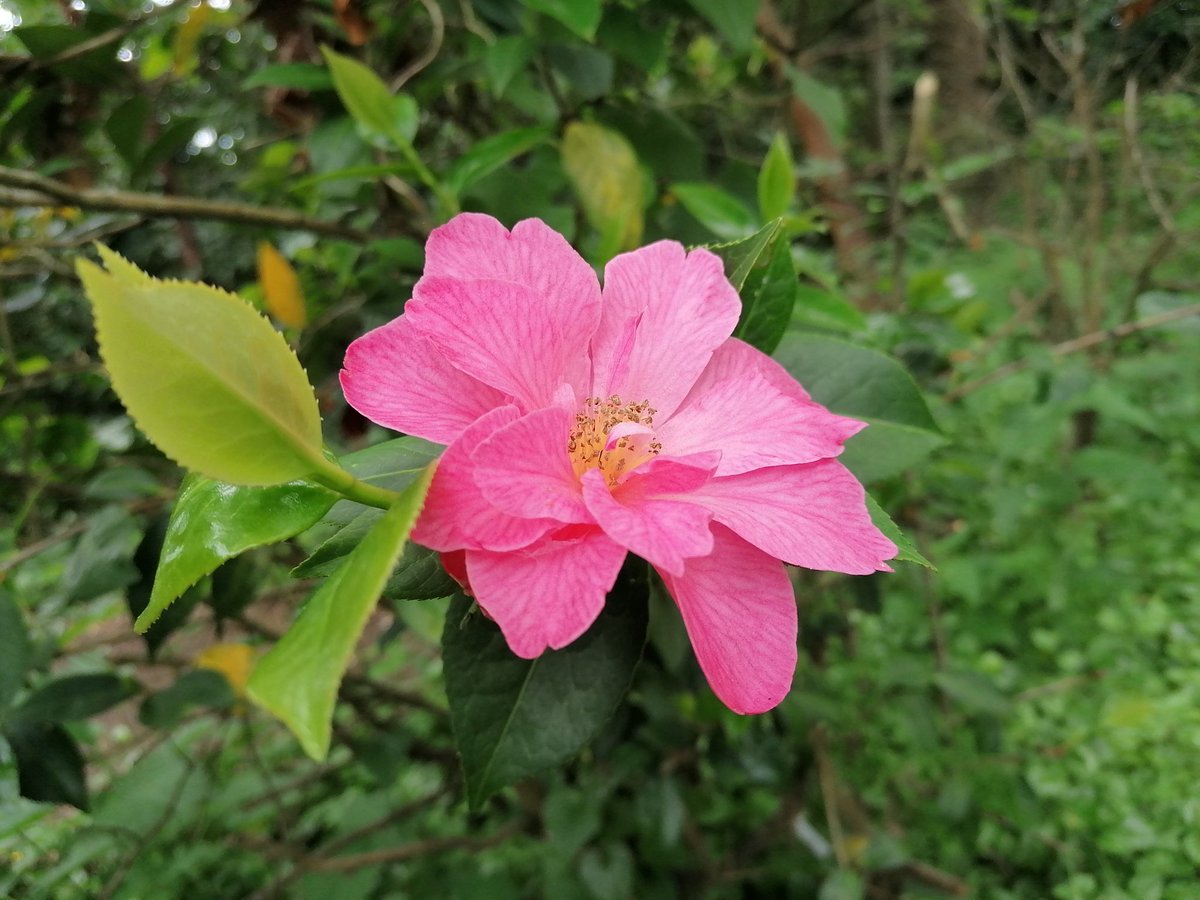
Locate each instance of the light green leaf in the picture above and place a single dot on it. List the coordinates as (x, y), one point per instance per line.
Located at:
(867, 385)
(742, 256)
(298, 679)
(608, 180)
(767, 300)
(513, 717)
(370, 102)
(825, 101)
(717, 210)
(490, 154)
(776, 179)
(581, 16)
(301, 76)
(817, 307)
(212, 522)
(908, 549)
(205, 376)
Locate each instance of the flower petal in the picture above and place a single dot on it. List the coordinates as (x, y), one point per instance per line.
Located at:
(457, 515)
(663, 532)
(548, 594)
(665, 312)
(813, 515)
(397, 378)
(735, 407)
(475, 247)
(524, 470)
(740, 612)
(498, 332)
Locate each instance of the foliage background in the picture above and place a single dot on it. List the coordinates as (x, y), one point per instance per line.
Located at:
(1023, 722)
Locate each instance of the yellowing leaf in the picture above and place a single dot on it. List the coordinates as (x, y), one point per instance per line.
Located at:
(605, 172)
(205, 376)
(234, 661)
(187, 37)
(281, 287)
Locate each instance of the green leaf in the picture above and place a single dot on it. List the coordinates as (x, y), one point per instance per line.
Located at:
(298, 679)
(369, 101)
(102, 560)
(608, 180)
(491, 154)
(973, 692)
(205, 376)
(867, 385)
(742, 256)
(581, 16)
(842, 884)
(505, 58)
(776, 179)
(717, 210)
(825, 101)
(908, 549)
(818, 308)
(300, 76)
(126, 127)
(733, 19)
(74, 697)
(212, 522)
(513, 717)
(15, 650)
(49, 764)
(199, 687)
(767, 300)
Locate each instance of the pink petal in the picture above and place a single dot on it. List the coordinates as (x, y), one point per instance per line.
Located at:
(475, 247)
(735, 406)
(812, 515)
(663, 532)
(498, 332)
(548, 594)
(524, 469)
(396, 377)
(740, 613)
(665, 312)
(737, 355)
(457, 515)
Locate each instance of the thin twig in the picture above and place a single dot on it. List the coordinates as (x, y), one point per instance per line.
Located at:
(437, 22)
(1074, 346)
(409, 851)
(32, 189)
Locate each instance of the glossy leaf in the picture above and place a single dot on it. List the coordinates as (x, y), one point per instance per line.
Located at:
(49, 764)
(866, 385)
(743, 255)
(74, 697)
(491, 154)
(608, 180)
(581, 16)
(212, 522)
(15, 651)
(205, 376)
(717, 210)
(513, 717)
(298, 678)
(369, 101)
(776, 179)
(905, 544)
(281, 287)
(767, 299)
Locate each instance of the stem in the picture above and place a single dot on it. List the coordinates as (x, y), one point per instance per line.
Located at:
(334, 477)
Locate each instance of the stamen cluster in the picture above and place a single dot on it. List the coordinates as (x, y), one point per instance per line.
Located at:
(589, 444)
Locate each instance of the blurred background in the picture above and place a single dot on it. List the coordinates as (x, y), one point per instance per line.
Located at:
(1002, 195)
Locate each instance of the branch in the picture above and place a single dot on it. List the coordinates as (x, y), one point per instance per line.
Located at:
(1074, 346)
(32, 189)
(408, 851)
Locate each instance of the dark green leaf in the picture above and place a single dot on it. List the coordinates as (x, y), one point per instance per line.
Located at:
(49, 764)
(298, 679)
(973, 692)
(867, 385)
(581, 16)
(767, 300)
(513, 717)
(742, 256)
(74, 697)
(491, 154)
(103, 558)
(908, 549)
(733, 19)
(126, 128)
(212, 522)
(300, 76)
(14, 651)
(199, 687)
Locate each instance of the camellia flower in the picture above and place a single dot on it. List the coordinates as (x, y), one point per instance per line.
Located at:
(584, 423)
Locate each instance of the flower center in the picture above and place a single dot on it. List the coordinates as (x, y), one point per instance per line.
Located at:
(612, 436)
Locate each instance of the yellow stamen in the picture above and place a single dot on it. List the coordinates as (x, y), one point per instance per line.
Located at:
(589, 444)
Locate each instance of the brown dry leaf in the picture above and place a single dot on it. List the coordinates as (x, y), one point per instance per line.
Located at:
(350, 16)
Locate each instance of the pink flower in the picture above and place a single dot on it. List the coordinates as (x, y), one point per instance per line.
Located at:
(583, 424)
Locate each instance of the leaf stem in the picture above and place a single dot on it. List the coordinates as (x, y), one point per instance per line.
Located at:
(334, 477)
